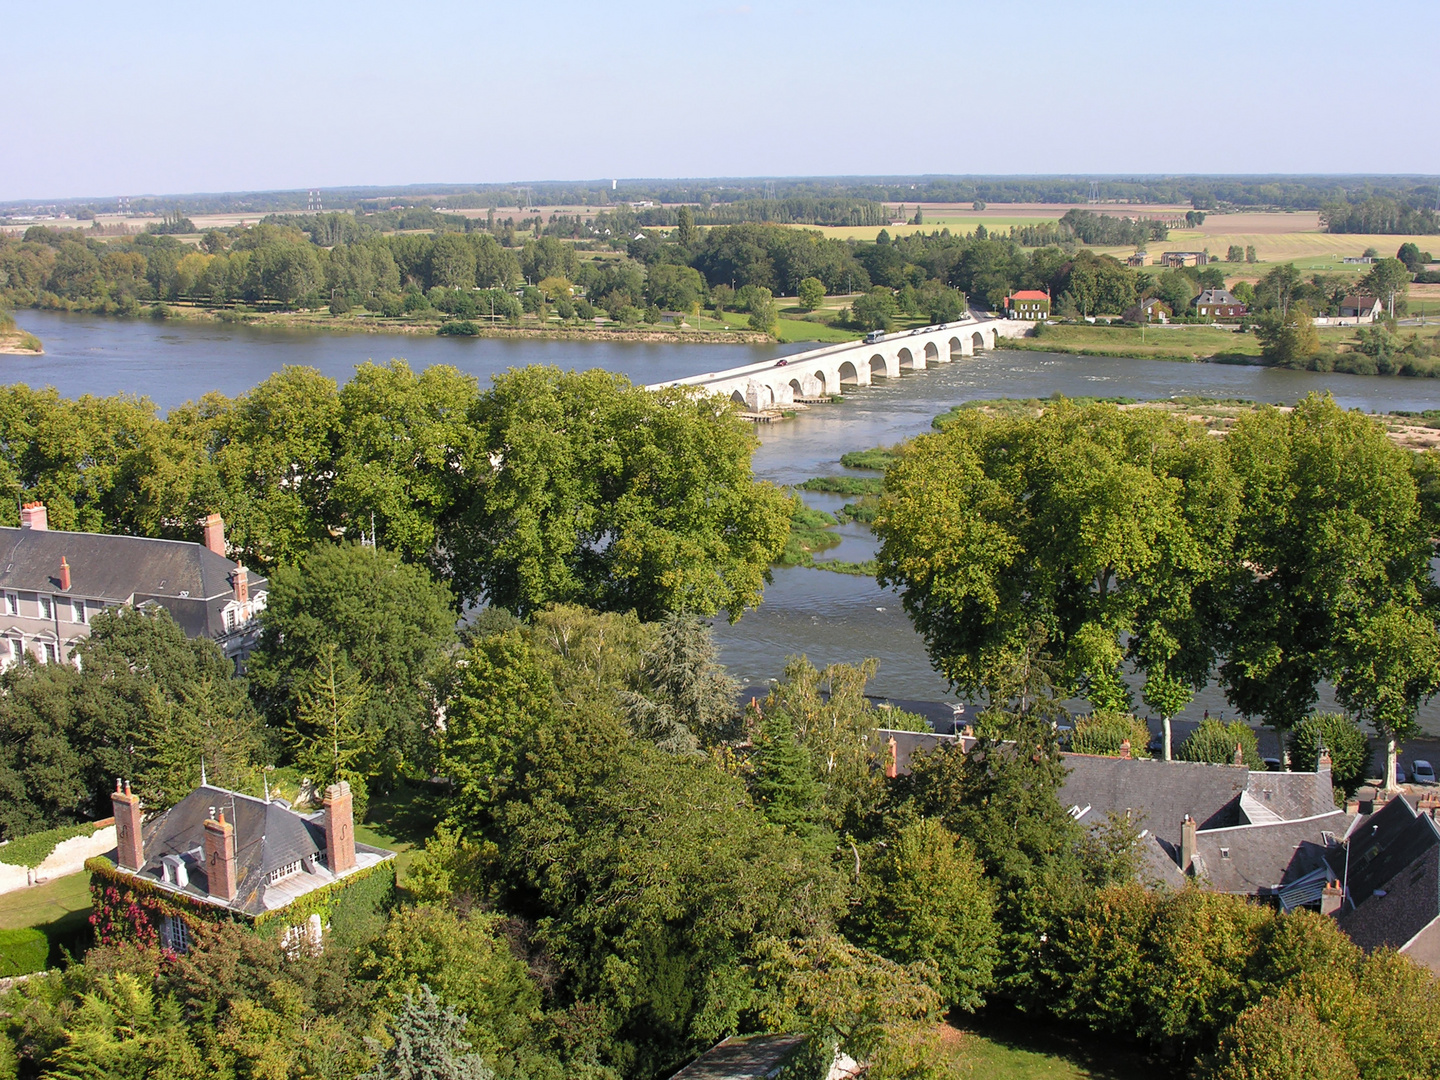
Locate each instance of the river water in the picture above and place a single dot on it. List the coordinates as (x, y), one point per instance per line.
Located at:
(829, 617)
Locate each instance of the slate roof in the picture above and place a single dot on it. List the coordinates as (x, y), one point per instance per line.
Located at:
(268, 836)
(1256, 860)
(1216, 296)
(1359, 302)
(189, 580)
(1156, 794)
(743, 1057)
(910, 743)
(1394, 852)
(1290, 795)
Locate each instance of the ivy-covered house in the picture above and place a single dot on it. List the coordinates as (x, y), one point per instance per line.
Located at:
(220, 855)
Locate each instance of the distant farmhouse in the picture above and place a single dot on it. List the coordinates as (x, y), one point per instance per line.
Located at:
(1031, 304)
(53, 582)
(1362, 308)
(221, 855)
(1275, 836)
(1177, 259)
(1150, 311)
(1218, 304)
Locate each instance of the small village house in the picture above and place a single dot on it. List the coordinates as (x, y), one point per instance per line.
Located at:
(1150, 311)
(1362, 308)
(1218, 304)
(1030, 304)
(53, 582)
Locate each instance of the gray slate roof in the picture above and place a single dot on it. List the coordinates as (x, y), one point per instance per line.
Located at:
(268, 836)
(1395, 851)
(1216, 296)
(189, 580)
(1256, 860)
(1156, 794)
(910, 743)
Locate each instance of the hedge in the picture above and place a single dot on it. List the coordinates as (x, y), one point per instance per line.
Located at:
(34, 849)
(23, 951)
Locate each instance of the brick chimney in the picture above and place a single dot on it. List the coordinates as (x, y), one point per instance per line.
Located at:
(240, 580)
(32, 516)
(64, 575)
(892, 758)
(220, 857)
(1322, 764)
(1125, 749)
(1330, 898)
(1352, 805)
(214, 529)
(129, 843)
(1239, 754)
(339, 828)
(1187, 845)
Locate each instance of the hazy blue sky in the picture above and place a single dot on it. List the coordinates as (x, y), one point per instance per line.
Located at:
(161, 97)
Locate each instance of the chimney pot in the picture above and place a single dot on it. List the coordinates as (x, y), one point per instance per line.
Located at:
(214, 532)
(129, 840)
(64, 575)
(1125, 749)
(33, 516)
(339, 828)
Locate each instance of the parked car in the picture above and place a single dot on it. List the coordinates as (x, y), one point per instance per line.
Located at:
(1422, 772)
(1273, 764)
(1399, 773)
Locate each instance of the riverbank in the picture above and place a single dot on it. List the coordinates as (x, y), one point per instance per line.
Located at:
(429, 323)
(19, 343)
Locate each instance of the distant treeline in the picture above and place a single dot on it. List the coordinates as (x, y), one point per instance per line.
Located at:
(1091, 228)
(1380, 215)
(1201, 192)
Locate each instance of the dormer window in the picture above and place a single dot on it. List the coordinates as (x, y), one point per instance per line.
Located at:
(282, 872)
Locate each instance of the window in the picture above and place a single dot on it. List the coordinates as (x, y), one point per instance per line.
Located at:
(49, 652)
(78, 612)
(12, 604)
(47, 606)
(174, 934)
(283, 872)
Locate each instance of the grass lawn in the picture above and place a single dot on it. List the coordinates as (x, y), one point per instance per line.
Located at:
(1000, 1043)
(59, 910)
(400, 821)
(1157, 343)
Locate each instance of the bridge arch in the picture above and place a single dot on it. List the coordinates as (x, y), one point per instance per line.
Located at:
(820, 383)
(905, 359)
(848, 375)
(878, 368)
(932, 353)
(957, 348)
(977, 341)
(796, 390)
(738, 398)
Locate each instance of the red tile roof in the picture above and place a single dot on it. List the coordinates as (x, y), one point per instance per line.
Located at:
(1029, 294)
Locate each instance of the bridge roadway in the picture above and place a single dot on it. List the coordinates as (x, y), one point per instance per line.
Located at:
(832, 369)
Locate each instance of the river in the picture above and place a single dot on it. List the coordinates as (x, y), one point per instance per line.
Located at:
(829, 617)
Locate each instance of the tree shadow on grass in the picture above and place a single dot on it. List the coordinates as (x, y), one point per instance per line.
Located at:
(1102, 1057)
(408, 812)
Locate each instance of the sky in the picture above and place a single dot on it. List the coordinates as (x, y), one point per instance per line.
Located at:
(154, 97)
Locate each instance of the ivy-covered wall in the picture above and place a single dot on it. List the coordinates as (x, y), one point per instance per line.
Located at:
(128, 908)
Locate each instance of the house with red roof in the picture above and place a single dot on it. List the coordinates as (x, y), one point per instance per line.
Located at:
(1031, 304)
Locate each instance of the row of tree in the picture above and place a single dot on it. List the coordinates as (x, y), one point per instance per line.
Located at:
(548, 487)
(1294, 550)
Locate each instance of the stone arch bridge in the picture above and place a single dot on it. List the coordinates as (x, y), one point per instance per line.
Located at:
(831, 370)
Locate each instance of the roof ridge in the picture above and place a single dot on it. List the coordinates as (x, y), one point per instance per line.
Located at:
(1272, 824)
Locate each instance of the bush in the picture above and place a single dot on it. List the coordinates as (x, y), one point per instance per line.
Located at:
(1103, 731)
(23, 951)
(339, 305)
(811, 293)
(1279, 1039)
(459, 328)
(1349, 749)
(30, 342)
(1214, 741)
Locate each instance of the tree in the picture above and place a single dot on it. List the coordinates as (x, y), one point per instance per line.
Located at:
(925, 897)
(389, 625)
(1075, 538)
(1331, 564)
(687, 682)
(764, 315)
(1287, 337)
(1234, 254)
(1413, 258)
(1341, 738)
(1387, 279)
(328, 739)
(1215, 741)
(426, 1043)
(685, 232)
(811, 293)
(1250, 255)
(875, 310)
(593, 491)
(784, 786)
(1279, 1039)
(1103, 732)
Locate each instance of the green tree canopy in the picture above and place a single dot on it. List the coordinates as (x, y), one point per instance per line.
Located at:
(596, 492)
